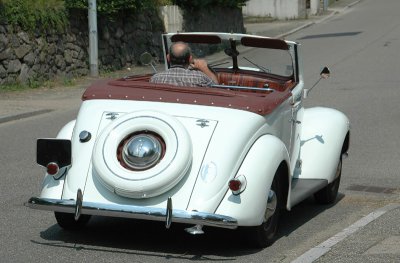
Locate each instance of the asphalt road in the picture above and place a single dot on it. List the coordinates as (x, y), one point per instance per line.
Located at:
(361, 48)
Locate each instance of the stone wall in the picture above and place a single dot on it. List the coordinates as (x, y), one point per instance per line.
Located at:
(122, 41)
(27, 57)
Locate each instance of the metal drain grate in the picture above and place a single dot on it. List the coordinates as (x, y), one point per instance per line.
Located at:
(371, 189)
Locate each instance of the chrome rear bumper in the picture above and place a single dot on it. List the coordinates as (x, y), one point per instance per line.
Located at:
(136, 212)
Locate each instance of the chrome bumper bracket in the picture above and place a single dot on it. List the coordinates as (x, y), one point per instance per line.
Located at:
(78, 206)
(168, 212)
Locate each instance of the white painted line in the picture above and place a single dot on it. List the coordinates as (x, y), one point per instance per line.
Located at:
(321, 249)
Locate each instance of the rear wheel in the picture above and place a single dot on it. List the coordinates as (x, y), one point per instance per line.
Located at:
(264, 235)
(68, 222)
(328, 194)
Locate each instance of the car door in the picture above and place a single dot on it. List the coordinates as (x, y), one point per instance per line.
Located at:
(296, 102)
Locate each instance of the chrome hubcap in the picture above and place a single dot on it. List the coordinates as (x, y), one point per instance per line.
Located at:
(142, 152)
(271, 205)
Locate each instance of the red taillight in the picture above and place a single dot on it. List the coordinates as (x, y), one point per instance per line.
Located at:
(238, 185)
(235, 185)
(52, 168)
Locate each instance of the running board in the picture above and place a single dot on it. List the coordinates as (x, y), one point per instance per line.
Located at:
(303, 188)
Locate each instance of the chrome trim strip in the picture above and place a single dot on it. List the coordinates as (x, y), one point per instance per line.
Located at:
(136, 212)
(241, 87)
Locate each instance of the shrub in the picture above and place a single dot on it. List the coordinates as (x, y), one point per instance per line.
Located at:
(112, 7)
(31, 15)
(52, 14)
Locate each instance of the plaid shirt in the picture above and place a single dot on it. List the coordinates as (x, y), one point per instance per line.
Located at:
(182, 77)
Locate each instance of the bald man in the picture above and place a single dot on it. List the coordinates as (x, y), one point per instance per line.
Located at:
(184, 70)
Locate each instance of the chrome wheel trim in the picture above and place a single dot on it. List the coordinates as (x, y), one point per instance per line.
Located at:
(271, 205)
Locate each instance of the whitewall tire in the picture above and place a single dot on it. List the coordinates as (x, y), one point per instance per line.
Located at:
(164, 175)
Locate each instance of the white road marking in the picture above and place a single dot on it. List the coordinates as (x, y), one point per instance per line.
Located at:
(324, 247)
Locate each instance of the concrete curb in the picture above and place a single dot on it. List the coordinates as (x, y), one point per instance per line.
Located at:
(354, 3)
(295, 30)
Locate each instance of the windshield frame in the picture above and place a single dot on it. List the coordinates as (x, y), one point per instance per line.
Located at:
(247, 43)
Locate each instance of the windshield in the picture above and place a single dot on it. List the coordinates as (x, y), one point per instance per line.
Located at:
(229, 53)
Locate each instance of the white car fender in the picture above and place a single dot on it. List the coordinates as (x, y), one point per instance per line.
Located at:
(259, 168)
(323, 133)
(67, 131)
(52, 188)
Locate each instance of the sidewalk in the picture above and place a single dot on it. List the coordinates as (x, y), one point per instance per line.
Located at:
(373, 238)
(280, 29)
(378, 241)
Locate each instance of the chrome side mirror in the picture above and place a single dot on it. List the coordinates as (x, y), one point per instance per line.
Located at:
(324, 74)
(147, 59)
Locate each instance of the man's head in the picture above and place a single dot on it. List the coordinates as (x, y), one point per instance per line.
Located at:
(179, 54)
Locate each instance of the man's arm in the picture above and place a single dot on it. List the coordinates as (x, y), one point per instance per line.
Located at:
(201, 65)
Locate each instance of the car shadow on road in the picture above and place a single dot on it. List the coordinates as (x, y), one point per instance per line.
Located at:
(144, 238)
(301, 214)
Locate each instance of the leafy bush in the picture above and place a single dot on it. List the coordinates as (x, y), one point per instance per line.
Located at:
(165, 2)
(52, 14)
(202, 4)
(34, 14)
(114, 6)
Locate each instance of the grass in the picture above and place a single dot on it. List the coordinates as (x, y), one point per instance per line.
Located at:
(36, 84)
(63, 81)
(13, 87)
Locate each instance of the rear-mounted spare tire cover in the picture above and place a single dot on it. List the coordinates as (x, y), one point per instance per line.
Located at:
(156, 180)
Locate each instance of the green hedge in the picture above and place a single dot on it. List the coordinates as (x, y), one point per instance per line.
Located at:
(42, 15)
(112, 7)
(34, 15)
(204, 4)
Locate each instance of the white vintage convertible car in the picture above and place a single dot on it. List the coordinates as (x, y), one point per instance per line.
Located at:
(232, 155)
